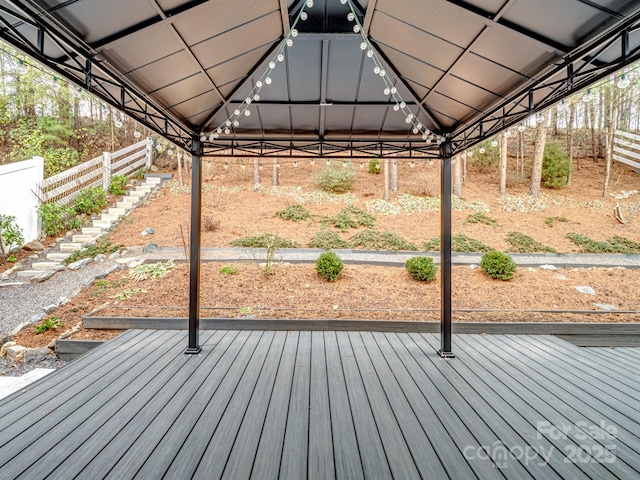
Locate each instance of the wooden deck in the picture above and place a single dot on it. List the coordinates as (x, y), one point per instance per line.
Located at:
(300, 404)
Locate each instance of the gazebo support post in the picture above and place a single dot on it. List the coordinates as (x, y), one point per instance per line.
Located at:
(194, 247)
(445, 250)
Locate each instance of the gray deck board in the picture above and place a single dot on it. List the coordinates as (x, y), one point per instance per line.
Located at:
(334, 404)
(532, 405)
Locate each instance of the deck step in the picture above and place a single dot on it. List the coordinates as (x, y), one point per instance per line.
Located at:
(91, 231)
(70, 247)
(58, 256)
(44, 265)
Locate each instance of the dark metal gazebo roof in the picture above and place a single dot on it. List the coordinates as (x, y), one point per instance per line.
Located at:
(465, 69)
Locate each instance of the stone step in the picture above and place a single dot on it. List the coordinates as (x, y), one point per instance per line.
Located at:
(91, 231)
(116, 211)
(109, 217)
(79, 238)
(152, 186)
(154, 180)
(28, 273)
(102, 224)
(136, 193)
(58, 256)
(127, 205)
(44, 265)
(70, 247)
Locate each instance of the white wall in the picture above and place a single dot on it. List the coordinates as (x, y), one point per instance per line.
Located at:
(18, 181)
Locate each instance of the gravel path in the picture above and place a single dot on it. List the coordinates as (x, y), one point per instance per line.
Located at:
(25, 303)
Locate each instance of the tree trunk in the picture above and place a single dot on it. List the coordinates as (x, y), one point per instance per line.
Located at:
(594, 143)
(612, 114)
(503, 164)
(538, 158)
(386, 180)
(456, 173)
(572, 114)
(256, 173)
(394, 176)
(274, 174)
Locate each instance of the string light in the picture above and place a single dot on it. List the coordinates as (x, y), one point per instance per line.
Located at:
(494, 143)
(623, 82)
(588, 97)
(522, 127)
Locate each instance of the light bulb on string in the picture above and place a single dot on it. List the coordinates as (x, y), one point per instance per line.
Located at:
(361, 165)
(369, 53)
(272, 65)
(267, 80)
(396, 107)
(588, 97)
(280, 58)
(415, 130)
(256, 98)
(363, 46)
(624, 82)
(137, 134)
(236, 112)
(219, 130)
(328, 162)
(403, 105)
(226, 166)
(294, 32)
(212, 137)
(350, 16)
(259, 83)
(382, 72)
(507, 134)
(376, 70)
(260, 167)
(289, 43)
(539, 118)
(470, 154)
(310, 3)
(247, 113)
(343, 2)
(522, 127)
(482, 150)
(312, 162)
(356, 28)
(236, 123)
(344, 164)
(563, 107)
(494, 143)
(203, 137)
(227, 131)
(295, 164)
(227, 123)
(387, 91)
(304, 16)
(411, 164)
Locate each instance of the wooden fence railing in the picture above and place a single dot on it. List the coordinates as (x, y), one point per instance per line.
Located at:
(626, 148)
(65, 186)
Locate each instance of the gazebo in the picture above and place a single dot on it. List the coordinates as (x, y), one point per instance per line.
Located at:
(336, 78)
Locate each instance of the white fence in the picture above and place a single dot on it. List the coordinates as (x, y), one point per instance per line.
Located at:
(65, 186)
(626, 148)
(18, 186)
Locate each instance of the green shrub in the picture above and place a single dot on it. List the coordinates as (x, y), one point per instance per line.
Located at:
(421, 268)
(480, 217)
(613, 245)
(140, 173)
(350, 217)
(375, 240)
(327, 240)
(555, 167)
(335, 180)
(228, 270)
(91, 200)
(522, 243)
(295, 212)
(49, 323)
(118, 185)
(264, 240)
(102, 246)
(10, 236)
(55, 218)
(550, 220)
(498, 265)
(329, 266)
(374, 166)
(459, 243)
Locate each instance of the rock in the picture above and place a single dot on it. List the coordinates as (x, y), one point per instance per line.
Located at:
(474, 266)
(605, 306)
(4, 276)
(28, 323)
(50, 308)
(115, 255)
(124, 261)
(559, 276)
(548, 267)
(153, 168)
(148, 231)
(135, 263)
(100, 258)
(35, 355)
(33, 246)
(63, 301)
(44, 276)
(586, 290)
(12, 284)
(80, 263)
(3, 349)
(112, 269)
(15, 353)
(151, 247)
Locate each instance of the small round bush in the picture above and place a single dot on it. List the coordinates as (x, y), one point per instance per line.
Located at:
(421, 268)
(329, 266)
(374, 166)
(335, 180)
(498, 265)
